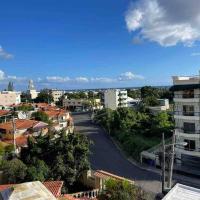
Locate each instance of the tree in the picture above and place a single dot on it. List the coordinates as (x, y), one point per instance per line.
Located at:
(66, 157)
(14, 170)
(25, 108)
(121, 190)
(38, 171)
(40, 116)
(45, 96)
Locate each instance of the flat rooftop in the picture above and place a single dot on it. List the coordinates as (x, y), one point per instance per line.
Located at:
(183, 192)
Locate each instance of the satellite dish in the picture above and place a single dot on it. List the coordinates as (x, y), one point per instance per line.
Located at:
(22, 115)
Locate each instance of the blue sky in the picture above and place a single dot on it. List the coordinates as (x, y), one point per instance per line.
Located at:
(92, 43)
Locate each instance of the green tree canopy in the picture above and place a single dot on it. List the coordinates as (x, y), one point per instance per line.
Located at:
(121, 190)
(45, 96)
(40, 116)
(14, 170)
(65, 157)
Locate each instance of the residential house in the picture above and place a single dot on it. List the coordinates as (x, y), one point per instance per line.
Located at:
(5, 115)
(23, 126)
(61, 119)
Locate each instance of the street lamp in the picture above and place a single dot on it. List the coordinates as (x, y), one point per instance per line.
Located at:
(171, 164)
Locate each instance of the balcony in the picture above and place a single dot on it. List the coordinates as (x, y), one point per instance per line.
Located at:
(186, 98)
(180, 131)
(187, 115)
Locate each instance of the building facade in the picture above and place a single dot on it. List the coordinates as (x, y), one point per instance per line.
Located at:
(115, 98)
(8, 98)
(57, 94)
(187, 119)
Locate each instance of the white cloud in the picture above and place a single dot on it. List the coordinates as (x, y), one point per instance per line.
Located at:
(166, 22)
(5, 55)
(5, 78)
(81, 79)
(128, 76)
(57, 79)
(2, 75)
(103, 80)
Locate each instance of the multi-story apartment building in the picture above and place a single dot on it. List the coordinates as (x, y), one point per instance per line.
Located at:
(8, 98)
(57, 94)
(115, 98)
(187, 119)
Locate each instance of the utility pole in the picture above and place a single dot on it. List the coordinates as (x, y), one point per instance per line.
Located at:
(171, 164)
(14, 131)
(163, 163)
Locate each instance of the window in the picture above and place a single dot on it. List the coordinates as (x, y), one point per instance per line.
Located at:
(189, 127)
(188, 94)
(188, 110)
(190, 145)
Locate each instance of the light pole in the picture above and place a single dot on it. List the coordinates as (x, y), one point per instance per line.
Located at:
(171, 164)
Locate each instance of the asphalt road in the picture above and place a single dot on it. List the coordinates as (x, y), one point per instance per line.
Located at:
(105, 156)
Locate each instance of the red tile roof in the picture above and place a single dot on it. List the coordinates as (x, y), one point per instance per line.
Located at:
(20, 124)
(107, 175)
(4, 112)
(21, 141)
(53, 186)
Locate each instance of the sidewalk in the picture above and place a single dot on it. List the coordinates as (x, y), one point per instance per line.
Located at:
(178, 178)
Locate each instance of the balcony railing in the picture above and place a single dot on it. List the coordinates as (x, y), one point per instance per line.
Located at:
(92, 194)
(183, 130)
(187, 113)
(187, 96)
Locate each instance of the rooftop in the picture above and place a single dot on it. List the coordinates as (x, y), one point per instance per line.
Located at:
(20, 124)
(30, 190)
(183, 192)
(53, 186)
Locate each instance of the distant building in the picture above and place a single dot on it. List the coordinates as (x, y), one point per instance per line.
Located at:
(163, 106)
(75, 104)
(133, 102)
(57, 94)
(115, 98)
(8, 98)
(187, 119)
(31, 90)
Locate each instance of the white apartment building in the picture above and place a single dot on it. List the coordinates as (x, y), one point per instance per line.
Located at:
(187, 119)
(115, 98)
(57, 94)
(8, 98)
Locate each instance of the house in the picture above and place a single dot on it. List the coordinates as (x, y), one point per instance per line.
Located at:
(5, 115)
(115, 98)
(187, 120)
(32, 190)
(23, 126)
(182, 192)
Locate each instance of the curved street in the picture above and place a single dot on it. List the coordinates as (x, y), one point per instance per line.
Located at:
(106, 156)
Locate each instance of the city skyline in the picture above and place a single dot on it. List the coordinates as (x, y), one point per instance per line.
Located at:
(95, 44)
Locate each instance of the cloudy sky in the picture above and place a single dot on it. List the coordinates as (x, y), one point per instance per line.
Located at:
(92, 43)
